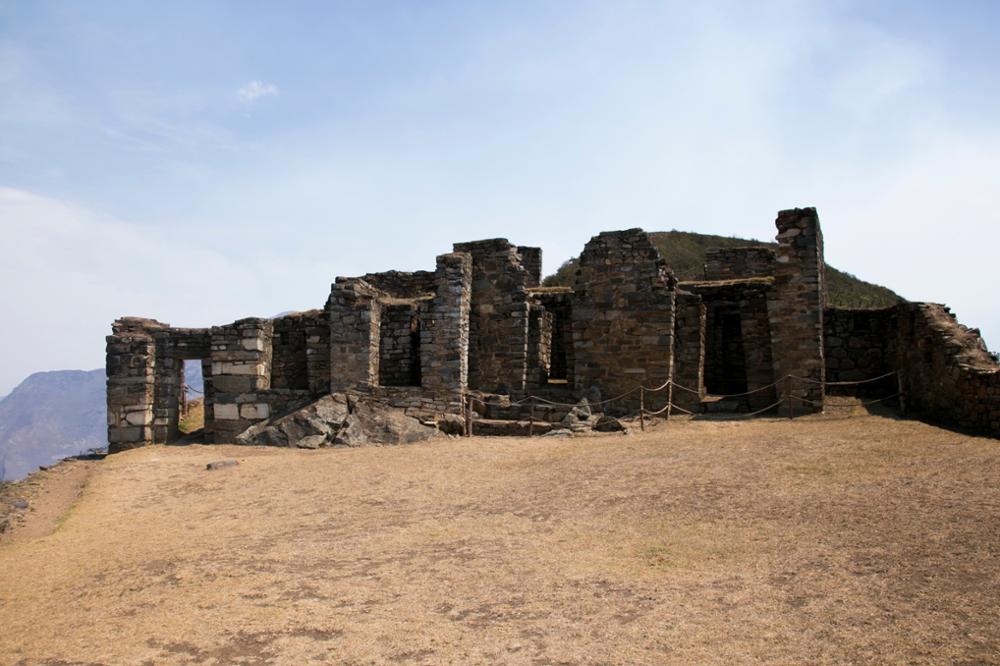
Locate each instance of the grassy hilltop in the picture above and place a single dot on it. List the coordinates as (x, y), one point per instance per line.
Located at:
(685, 251)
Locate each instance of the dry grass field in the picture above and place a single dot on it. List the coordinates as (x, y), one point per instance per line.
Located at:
(868, 540)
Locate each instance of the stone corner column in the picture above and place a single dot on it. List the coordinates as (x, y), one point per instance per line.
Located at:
(444, 335)
(355, 318)
(130, 366)
(795, 308)
(240, 372)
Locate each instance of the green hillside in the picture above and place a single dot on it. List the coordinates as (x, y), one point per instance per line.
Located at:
(684, 252)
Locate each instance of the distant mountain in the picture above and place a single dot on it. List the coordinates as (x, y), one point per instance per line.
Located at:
(684, 252)
(49, 416)
(53, 415)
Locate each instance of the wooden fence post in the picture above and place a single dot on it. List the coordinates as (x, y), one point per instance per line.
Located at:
(467, 409)
(899, 388)
(531, 419)
(670, 398)
(788, 395)
(642, 408)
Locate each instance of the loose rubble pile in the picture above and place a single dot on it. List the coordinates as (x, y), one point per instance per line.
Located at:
(338, 420)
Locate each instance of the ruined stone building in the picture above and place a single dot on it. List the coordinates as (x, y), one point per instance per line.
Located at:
(480, 324)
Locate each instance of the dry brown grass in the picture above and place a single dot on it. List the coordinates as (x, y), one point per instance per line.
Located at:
(193, 418)
(817, 541)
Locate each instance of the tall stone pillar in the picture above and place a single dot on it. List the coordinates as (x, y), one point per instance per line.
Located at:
(531, 260)
(689, 350)
(355, 321)
(498, 329)
(795, 308)
(623, 318)
(130, 384)
(444, 334)
(241, 367)
(169, 389)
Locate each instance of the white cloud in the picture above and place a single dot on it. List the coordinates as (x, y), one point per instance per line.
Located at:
(76, 271)
(256, 89)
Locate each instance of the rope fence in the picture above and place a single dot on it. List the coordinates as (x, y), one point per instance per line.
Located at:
(788, 397)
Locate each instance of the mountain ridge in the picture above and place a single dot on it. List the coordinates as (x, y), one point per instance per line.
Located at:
(49, 416)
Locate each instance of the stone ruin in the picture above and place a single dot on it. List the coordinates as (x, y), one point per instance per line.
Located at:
(480, 326)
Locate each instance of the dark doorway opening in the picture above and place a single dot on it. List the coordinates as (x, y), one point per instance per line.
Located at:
(558, 366)
(725, 356)
(289, 361)
(399, 346)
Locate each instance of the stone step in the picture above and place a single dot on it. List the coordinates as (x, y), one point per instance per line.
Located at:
(509, 428)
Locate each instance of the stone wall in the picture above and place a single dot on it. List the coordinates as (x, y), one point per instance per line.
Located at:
(444, 333)
(498, 334)
(531, 260)
(859, 345)
(689, 350)
(316, 324)
(947, 374)
(623, 317)
(399, 345)
(757, 346)
(289, 357)
(129, 366)
(400, 284)
(738, 262)
(355, 321)
(795, 307)
(241, 373)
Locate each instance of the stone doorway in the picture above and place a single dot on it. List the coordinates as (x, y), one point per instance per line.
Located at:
(399, 345)
(725, 355)
(192, 402)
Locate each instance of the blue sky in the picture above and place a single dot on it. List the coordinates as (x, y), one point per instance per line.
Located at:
(198, 162)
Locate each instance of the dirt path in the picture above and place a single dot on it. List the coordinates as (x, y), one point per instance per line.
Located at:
(868, 540)
(34, 507)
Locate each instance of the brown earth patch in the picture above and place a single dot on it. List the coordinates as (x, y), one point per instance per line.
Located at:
(866, 540)
(46, 496)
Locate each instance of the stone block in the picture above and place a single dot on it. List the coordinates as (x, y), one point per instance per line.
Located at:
(122, 435)
(226, 412)
(255, 410)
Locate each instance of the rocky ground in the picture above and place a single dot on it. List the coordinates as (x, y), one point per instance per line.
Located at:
(815, 541)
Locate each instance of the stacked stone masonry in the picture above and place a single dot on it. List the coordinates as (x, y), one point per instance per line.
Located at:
(795, 308)
(623, 318)
(479, 323)
(739, 262)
